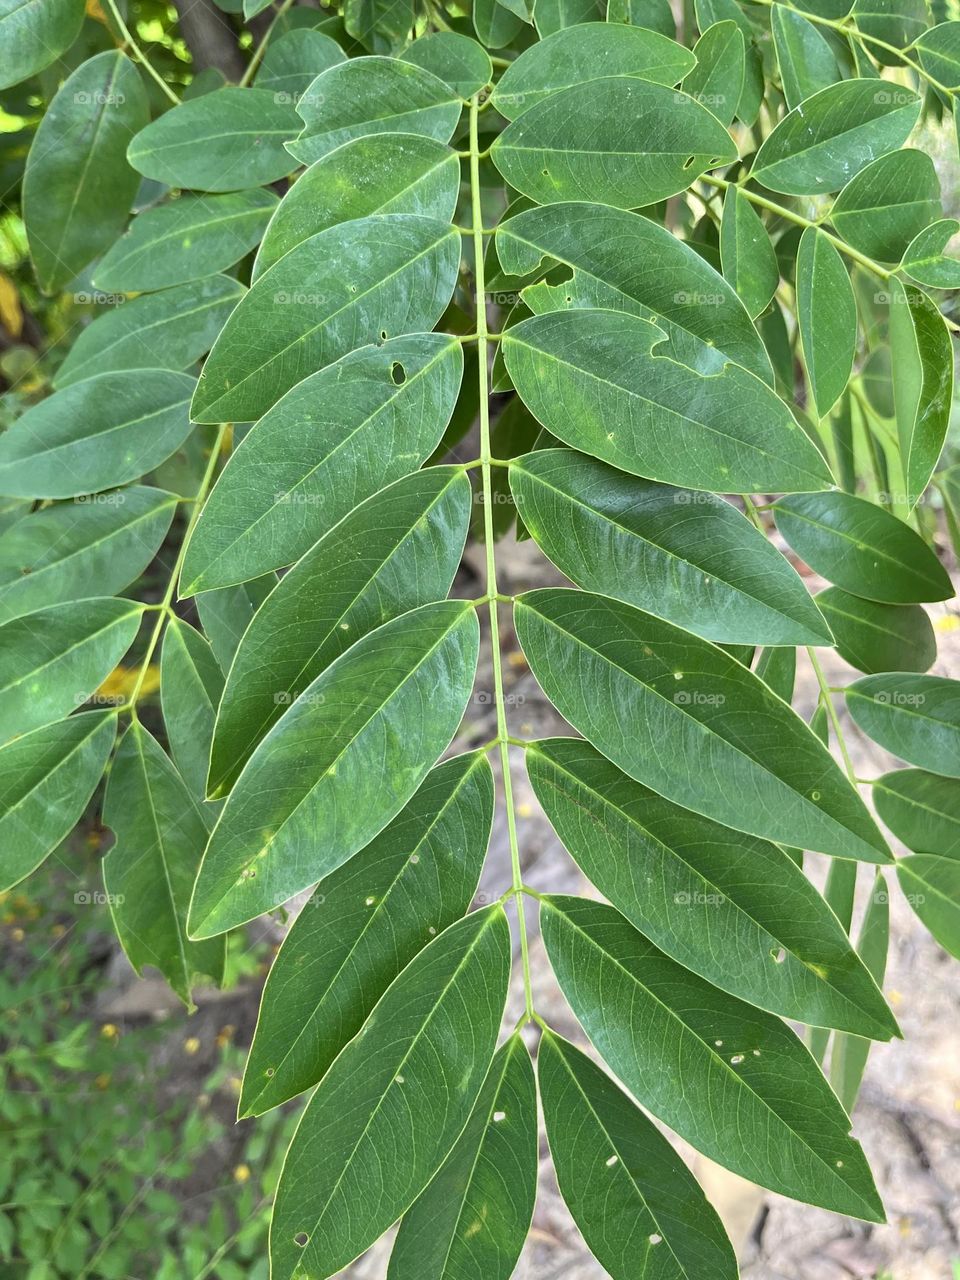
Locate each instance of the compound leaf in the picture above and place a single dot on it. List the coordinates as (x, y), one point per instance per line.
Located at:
(826, 318)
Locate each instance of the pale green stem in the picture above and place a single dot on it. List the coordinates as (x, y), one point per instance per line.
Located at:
(140, 55)
(261, 48)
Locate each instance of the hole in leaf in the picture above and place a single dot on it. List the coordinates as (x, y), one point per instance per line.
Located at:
(269, 1072)
(778, 956)
(301, 1239)
(689, 162)
(398, 375)
(383, 335)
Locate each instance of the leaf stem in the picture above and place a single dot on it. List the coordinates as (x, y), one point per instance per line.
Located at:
(165, 606)
(801, 221)
(489, 547)
(832, 713)
(140, 55)
(261, 48)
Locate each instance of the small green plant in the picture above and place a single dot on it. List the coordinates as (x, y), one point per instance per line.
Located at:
(98, 1143)
(670, 280)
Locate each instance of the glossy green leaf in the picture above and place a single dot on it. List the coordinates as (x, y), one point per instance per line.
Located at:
(473, 1217)
(396, 551)
(828, 138)
(381, 25)
(77, 549)
(342, 761)
(626, 262)
(806, 61)
(925, 259)
(688, 557)
(938, 50)
(862, 548)
(33, 35)
(350, 285)
(921, 809)
(626, 143)
(733, 1081)
(51, 661)
(294, 60)
(392, 1105)
(708, 13)
(148, 873)
(48, 778)
(827, 319)
(717, 80)
(168, 330)
(363, 925)
(186, 239)
(78, 187)
(895, 22)
(607, 666)
(382, 173)
(654, 15)
(639, 1208)
(932, 887)
(733, 909)
(229, 140)
(877, 637)
(365, 96)
(651, 416)
(455, 59)
(191, 683)
(494, 24)
(888, 203)
(777, 668)
(915, 717)
(748, 257)
(225, 614)
(338, 437)
(551, 16)
(577, 54)
(922, 370)
(96, 434)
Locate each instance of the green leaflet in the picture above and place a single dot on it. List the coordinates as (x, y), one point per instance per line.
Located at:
(78, 187)
(382, 25)
(626, 143)
(96, 434)
(495, 25)
(806, 61)
(733, 909)
(455, 59)
(827, 319)
(915, 717)
(186, 239)
(191, 683)
(51, 661)
(382, 173)
(228, 140)
(878, 637)
(888, 203)
(373, 95)
(550, 16)
(473, 1217)
(921, 809)
(611, 253)
(391, 1106)
(576, 54)
(922, 371)
(939, 52)
(932, 887)
(654, 15)
(777, 668)
(607, 1153)
(621, 667)
(897, 22)
(34, 35)
(342, 761)
(335, 439)
(717, 79)
(862, 548)
(848, 1058)
(363, 925)
(396, 551)
(925, 260)
(731, 1080)
(359, 283)
(168, 330)
(83, 548)
(48, 778)
(148, 873)
(708, 13)
(828, 138)
(688, 557)
(225, 614)
(652, 416)
(294, 60)
(748, 258)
